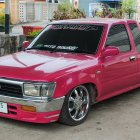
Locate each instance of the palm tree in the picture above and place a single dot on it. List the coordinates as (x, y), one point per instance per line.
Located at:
(129, 7)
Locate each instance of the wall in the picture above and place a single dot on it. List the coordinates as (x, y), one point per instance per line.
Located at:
(30, 10)
(84, 5)
(15, 14)
(14, 11)
(10, 43)
(36, 11)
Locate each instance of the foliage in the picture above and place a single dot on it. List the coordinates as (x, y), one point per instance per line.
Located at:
(116, 13)
(99, 14)
(128, 7)
(67, 11)
(33, 33)
(2, 19)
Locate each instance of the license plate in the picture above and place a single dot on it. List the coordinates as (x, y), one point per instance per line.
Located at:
(3, 107)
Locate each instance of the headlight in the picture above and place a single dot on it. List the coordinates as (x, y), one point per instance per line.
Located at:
(39, 89)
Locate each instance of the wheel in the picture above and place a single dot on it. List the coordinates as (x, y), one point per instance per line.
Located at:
(76, 106)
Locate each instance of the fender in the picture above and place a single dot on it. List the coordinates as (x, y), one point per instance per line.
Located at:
(70, 81)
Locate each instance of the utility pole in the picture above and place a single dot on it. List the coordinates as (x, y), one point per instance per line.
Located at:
(7, 16)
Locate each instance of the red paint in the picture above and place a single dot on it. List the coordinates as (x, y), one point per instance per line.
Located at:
(25, 44)
(117, 73)
(110, 51)
(17, 114)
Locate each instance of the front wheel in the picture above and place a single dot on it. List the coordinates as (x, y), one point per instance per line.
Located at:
(76, 106)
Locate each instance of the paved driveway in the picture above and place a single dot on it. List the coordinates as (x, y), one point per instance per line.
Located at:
(115, 119)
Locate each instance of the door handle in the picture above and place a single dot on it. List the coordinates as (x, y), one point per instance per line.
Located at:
(132, 58)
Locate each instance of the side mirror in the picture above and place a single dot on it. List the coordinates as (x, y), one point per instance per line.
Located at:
(25, 44)
(110, 51)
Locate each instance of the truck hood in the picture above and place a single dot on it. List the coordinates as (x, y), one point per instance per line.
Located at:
(41, 65)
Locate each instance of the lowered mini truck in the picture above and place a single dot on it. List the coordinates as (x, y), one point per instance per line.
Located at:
(68, 67)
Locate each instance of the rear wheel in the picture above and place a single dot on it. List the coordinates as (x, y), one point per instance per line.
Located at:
(76, 106)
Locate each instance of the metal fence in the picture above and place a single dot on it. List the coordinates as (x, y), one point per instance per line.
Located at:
(36, 11)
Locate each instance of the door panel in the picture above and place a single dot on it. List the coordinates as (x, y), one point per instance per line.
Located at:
(118, 73)
(135, 29)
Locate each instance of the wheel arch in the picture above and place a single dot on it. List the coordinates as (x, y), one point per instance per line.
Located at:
(91, 87)
(70, 81)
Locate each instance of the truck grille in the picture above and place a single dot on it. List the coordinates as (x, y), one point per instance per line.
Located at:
(12, 90)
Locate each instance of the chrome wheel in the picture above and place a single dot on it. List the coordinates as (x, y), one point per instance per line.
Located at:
(78, 103)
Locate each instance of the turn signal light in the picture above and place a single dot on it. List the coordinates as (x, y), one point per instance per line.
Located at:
(28, 108)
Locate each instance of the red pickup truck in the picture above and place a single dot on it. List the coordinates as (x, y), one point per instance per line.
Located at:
(68, 67)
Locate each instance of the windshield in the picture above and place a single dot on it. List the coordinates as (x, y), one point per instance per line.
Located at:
(77, 38)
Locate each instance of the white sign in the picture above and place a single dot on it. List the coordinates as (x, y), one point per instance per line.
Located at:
(3, 107)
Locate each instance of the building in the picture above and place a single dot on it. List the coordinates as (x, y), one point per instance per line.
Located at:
(2, 6)
(30, 10)
(36, 10)
(111, 3)
(89, 5)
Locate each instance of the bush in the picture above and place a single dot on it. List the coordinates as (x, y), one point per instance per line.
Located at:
(110, 13)
(34, 33)
(2, 19)
(67, 11)
(116, 13)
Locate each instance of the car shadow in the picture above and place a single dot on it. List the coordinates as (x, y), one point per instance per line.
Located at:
(117, 100)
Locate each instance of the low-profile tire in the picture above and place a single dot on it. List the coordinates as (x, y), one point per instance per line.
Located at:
(76, 106)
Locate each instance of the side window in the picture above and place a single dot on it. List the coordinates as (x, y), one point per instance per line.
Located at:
(118, 37)
(136, 34)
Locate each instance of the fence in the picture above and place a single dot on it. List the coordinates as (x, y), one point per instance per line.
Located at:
(36, 11)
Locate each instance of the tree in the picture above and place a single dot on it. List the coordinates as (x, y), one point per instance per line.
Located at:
(129, 7)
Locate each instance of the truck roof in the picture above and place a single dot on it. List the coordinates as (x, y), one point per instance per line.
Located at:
(92, 20)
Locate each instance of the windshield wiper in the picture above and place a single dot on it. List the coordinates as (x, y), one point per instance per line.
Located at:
(73, 51)
(38, 48)
(54, 49)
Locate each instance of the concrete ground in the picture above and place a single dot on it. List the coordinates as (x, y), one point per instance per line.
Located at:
(115, 119)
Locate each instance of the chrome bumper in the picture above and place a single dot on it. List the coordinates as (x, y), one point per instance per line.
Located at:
(41, 104)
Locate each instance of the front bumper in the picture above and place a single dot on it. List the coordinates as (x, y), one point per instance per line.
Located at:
(47, 110)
